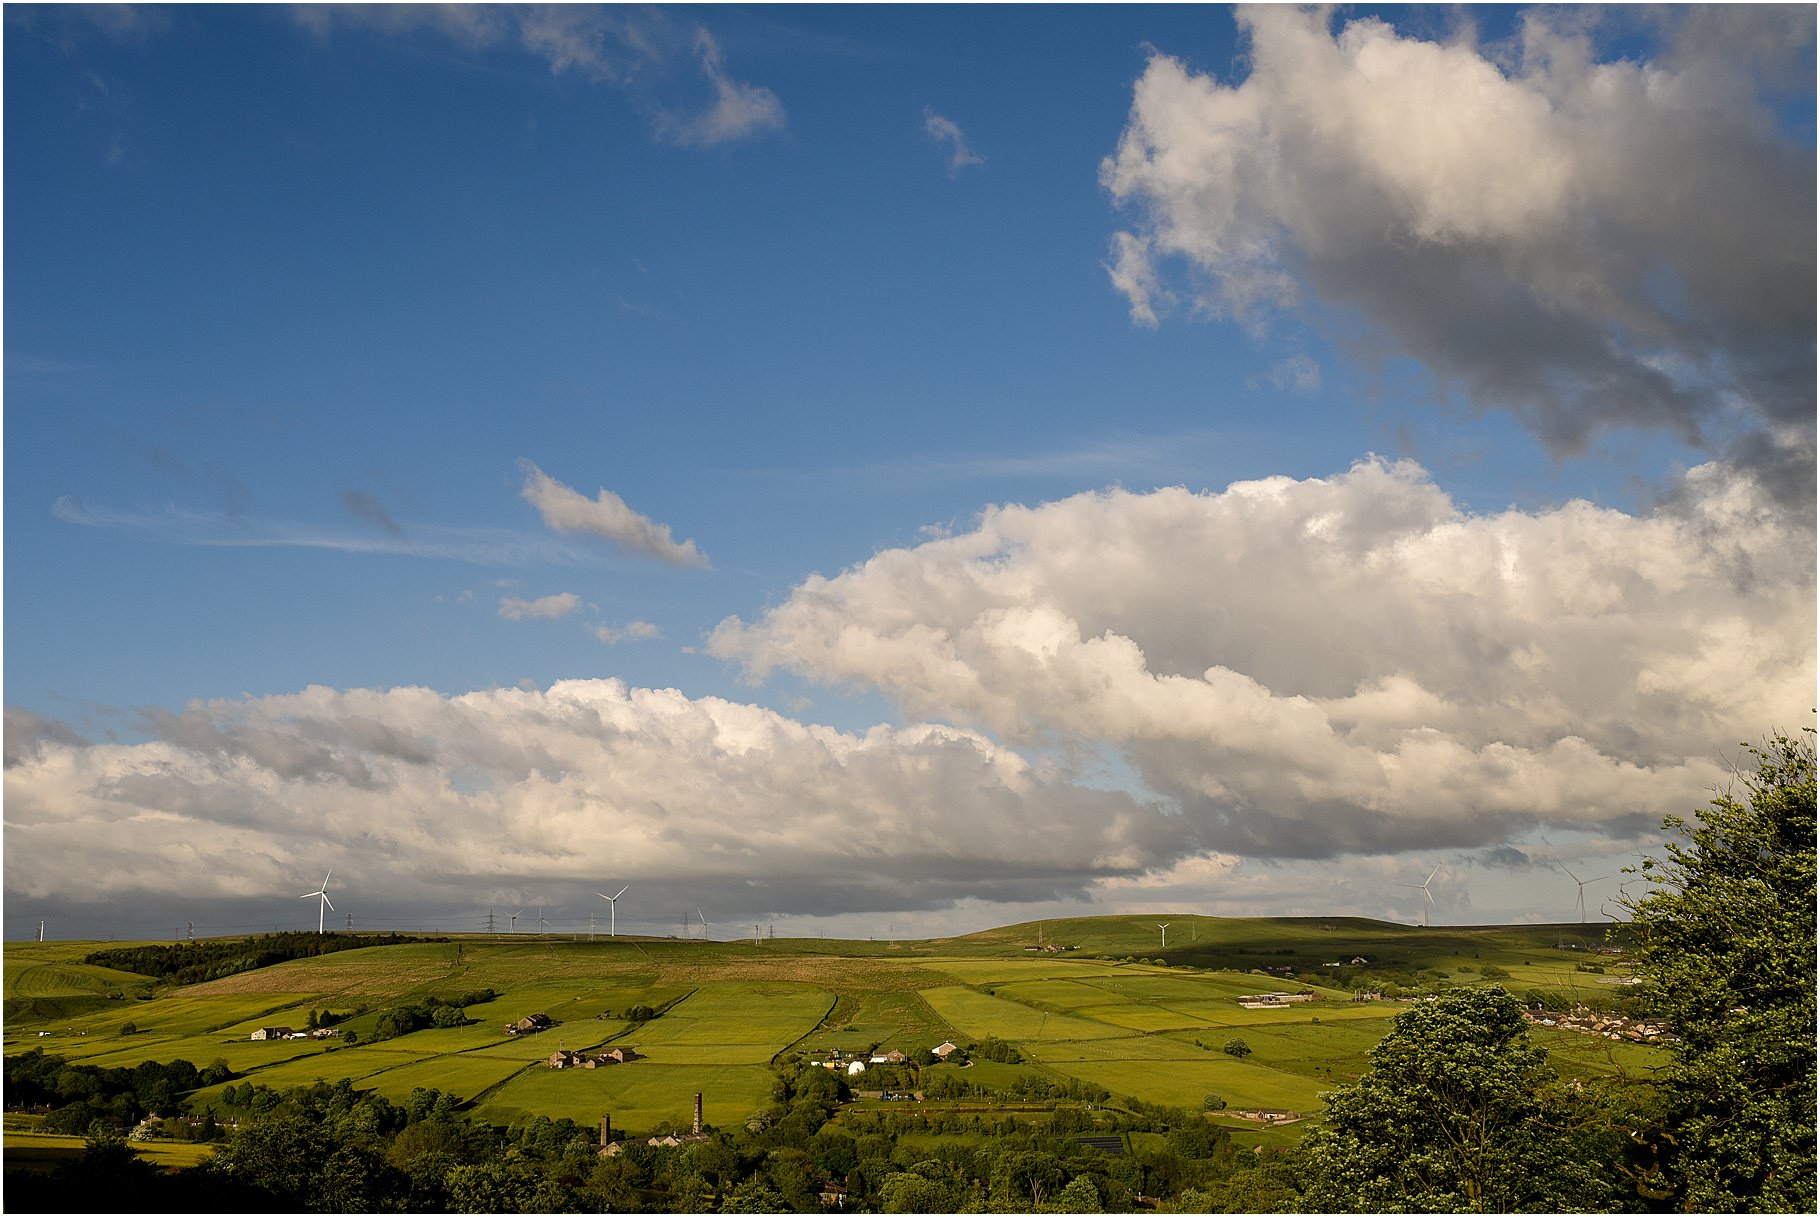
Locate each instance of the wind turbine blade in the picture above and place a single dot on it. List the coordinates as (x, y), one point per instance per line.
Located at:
(1432, 874)
(621, 891)
(1570, 874)
(309, 895)
(605, 897)
(325, 879)
(327, 901)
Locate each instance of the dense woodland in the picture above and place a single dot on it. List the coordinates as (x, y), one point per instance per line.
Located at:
(1457, 1112)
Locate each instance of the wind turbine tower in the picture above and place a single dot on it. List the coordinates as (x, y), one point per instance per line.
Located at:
(1164, 926)
(1428, 898)
(1582, 885)
(613, 904)
(323, 894)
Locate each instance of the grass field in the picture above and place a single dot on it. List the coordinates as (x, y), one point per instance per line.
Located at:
(1102, 1012)
(47, 1151)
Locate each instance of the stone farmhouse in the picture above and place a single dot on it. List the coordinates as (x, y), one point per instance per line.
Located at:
(562, 1058)
(277, 1033)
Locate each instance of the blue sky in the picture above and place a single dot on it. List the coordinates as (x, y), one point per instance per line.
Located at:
(319, 321)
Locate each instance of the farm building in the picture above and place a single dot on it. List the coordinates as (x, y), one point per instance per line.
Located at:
(855, 1067)
(1266, 1115)
(1267, 1001)
(272, 1033)
(944, 1049)
(528, 1024)
(893, 1057)
(564, 1059)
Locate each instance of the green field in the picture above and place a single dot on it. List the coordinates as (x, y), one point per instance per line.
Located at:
(1102, 1011)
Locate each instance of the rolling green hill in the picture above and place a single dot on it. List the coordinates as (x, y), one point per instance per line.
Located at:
(1102, 1002)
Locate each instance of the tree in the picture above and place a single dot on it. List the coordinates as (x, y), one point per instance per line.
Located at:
(1080, 1196)
(1726, 951)
(1458, 1113)
(1236, 1047)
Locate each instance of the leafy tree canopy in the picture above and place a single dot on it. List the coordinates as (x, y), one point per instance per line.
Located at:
(1458, 1113)
(1726, 948)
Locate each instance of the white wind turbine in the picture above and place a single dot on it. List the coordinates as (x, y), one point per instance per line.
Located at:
(1164, 926)
(514, 917)
(613, 903)
(1427, 896)
(704, 921)
(1582, 883)
(323, 893)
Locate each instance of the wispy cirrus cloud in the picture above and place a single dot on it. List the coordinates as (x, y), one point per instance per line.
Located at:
(544, 608)
(632, 631)
(660, 64)
(178, 526)
(945, 132)
(738, 110)
(607, 516)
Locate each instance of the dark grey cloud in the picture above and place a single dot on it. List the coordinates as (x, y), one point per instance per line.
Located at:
(26, 733)
(364, 506)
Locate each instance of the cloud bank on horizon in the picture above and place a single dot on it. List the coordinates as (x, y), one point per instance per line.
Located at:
(1129, 696)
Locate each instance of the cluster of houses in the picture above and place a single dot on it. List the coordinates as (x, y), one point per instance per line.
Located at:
(286, 1033)
(1611, 1026)
(562, 1058)
(1270, 1001)
(1265, 1115)
(530, 1024)
(855, 1063)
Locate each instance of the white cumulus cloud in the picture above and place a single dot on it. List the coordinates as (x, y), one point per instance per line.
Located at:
(1588, 242)
(1347, 664)
(422, 796)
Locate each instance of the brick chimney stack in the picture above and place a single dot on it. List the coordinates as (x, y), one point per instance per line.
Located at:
(698, 1111)
(606, 1131)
